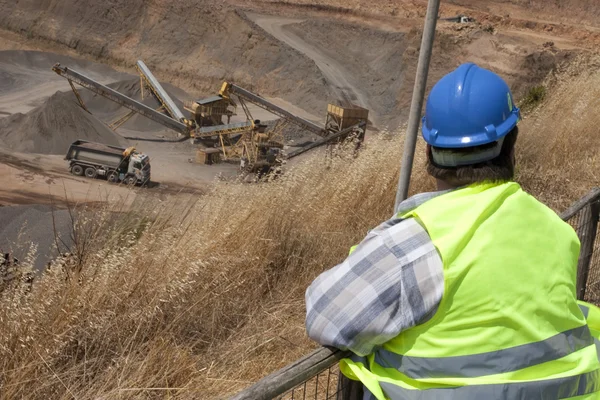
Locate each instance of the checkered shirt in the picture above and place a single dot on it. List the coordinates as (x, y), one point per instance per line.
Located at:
(391, 282)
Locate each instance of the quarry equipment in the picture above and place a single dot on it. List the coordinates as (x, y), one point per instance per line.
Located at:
(148, 80)
(459, 19)
(338, 118)
(341, 118)
(259, 151)
(246, 141)
(243, 95)
(210, 111)
(115, 163)
(119, 98)
(359, 129)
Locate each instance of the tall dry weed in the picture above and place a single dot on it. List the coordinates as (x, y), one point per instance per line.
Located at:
(559, 148)
(197, 297)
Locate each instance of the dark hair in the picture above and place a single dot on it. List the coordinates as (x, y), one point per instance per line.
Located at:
(500, 169)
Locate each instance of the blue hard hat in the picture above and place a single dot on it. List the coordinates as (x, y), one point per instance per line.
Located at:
(469, 107)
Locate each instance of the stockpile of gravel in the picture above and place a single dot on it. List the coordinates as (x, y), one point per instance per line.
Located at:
(53, 126)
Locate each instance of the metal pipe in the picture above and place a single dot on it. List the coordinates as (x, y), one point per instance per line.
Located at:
(410, 142)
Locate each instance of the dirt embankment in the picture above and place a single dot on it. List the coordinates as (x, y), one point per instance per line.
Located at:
(307, 62)
(194, 44)
(586, 11)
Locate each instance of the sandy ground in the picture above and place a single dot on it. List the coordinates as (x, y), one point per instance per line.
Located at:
(44, 179)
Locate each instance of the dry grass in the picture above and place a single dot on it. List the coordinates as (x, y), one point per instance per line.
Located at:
(202, 296)
(559, 149)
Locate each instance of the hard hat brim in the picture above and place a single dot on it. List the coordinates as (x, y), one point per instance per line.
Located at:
(489, 135)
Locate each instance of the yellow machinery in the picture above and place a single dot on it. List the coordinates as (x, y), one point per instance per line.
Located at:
(340, 118)
(243, 95)
(245, 140)
(210, 111)
(256, 150)
(261, 151)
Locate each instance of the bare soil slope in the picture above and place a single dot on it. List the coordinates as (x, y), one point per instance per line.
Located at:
(355, 51)
(557, 10)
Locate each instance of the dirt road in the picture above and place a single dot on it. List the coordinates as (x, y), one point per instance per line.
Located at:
(345, 85)
(44, 179)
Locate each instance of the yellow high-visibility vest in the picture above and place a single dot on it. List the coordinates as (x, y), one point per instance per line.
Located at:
(509, 325)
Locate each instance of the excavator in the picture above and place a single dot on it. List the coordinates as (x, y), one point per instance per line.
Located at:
(247, 141)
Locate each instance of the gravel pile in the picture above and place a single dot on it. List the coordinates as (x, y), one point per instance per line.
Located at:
(53, 126)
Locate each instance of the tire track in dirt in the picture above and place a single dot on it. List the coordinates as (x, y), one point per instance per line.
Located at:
(343, 83)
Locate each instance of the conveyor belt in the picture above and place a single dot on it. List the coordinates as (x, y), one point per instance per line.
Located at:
(120, 99)
(160, 93)
(272, 108)
(230, 129)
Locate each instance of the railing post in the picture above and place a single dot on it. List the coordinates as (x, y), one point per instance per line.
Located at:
(414, 119)
(349, 389)
(587, 236)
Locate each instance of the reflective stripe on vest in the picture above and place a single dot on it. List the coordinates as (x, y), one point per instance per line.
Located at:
(592, 315)
(508, 325)
(551, 389)
(491, 363)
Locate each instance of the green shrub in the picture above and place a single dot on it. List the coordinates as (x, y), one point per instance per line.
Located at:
(533, 97)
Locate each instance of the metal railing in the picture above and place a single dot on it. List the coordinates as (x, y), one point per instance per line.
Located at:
(317, 377)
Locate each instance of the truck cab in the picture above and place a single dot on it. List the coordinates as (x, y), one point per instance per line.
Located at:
(139, 166)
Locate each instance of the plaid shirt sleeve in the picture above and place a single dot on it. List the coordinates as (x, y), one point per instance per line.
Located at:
(391, 282)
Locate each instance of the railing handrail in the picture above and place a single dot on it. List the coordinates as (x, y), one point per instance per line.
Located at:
(292, 375)
(323, 358)
(591, 197)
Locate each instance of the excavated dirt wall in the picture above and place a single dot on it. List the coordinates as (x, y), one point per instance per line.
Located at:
(194, 44)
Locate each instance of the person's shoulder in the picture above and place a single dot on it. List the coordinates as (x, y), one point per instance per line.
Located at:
(417, 200)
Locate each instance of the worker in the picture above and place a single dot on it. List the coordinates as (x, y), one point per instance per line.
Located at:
(468, 292)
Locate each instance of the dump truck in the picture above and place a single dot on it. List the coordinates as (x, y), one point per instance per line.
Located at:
(116, 164)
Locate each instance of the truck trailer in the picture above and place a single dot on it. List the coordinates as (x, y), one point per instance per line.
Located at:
(116, 164)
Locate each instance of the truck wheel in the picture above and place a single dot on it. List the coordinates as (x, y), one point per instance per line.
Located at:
(90, 172)
(77, 170)
(131, 180)
(113, 177)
